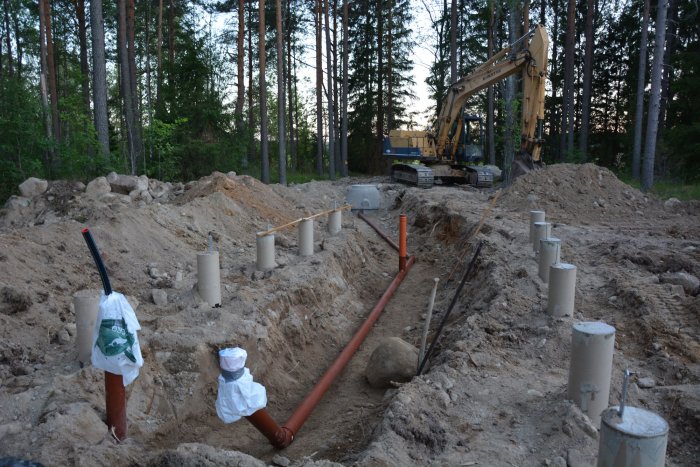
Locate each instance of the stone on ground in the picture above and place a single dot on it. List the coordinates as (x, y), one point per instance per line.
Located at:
(32, 187)
(392, 360)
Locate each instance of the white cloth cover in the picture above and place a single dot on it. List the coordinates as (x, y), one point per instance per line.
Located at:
(232, 359)
(239, 398)
(115, 342)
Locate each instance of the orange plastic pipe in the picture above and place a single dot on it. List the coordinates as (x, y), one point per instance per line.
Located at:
(402, 242)
(115, 401)
(391, 243)
(282, 436)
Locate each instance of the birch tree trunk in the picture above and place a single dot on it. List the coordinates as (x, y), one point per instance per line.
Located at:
(490, 114)
(240, 59)
(329, 93)
(344, 98)
(319, 88)
(567, 126)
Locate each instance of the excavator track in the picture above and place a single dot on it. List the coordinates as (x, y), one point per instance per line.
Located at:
(413, 174)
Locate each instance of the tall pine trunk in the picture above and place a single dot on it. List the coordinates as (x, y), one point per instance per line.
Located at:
(159, 60)
(319, 88)
(587, 79)
(329, 92)
(51, 70)
(99, 77)
(264, 156)
(251, 113)
(280, 97)
(508, 147)
(641, 84)
(453, 41)
(490, 114)
(240, 61)
(655, 99)
(6, 7)
(44, 87)
(379, 153)
(126, 91)
(344, 98)
(567, 126)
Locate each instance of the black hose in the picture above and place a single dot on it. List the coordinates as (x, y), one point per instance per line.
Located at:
(98, 261)
(449, 310)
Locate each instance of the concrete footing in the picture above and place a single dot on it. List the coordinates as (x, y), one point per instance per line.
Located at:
(550, 253)
(542, 230)
(87, 305)
(562, 289)
(592, 348)
(306, 237)
(637, 439)
(265, 252)
(208, 277)
(535, 216)
(334, 222)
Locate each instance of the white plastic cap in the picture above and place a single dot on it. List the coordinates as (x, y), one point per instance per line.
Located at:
(232, 359)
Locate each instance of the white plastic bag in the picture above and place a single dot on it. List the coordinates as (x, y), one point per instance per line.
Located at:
(238, 396)
(115, 345)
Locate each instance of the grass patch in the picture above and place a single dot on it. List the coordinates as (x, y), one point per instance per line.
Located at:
(665, 189)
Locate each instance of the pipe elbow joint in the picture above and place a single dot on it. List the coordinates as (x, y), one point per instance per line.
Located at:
(282, 438)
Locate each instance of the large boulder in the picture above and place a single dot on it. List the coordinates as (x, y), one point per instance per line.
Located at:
(32, 187)
(393, 360)
(97, 187)
(125, 184)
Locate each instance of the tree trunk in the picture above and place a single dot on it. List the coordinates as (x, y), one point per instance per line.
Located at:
(587, 79)
(251, 113)
(344, 98)
(264, 156)
(159, 64)
(453, 41)
(641, 84)
(655, 99)
(667, 75)
(99, 77)
(51, 69)
(490, 114)
(240, 60)
(378, 154)
(291, 76)
(508, 147)
(133, 84)
(568, 96)
(6, 7)
(82, 40)
(280, 97)
(329, 92)
(319, 87)
(126, 91)
(43, 84)
(171, 34)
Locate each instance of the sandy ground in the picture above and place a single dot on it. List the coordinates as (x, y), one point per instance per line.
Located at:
(494, 394)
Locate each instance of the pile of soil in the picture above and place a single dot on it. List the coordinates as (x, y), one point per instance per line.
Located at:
(494, 394)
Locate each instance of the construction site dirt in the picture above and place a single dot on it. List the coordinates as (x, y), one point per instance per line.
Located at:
(493, 393)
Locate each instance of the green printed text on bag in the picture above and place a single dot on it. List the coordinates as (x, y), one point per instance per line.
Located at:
(114, 338)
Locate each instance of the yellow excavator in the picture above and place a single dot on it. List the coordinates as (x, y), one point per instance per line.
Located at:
(443, 155)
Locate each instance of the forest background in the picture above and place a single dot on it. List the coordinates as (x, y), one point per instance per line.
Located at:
(289, 89)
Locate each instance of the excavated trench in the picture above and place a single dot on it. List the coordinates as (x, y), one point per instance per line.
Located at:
(301, 329)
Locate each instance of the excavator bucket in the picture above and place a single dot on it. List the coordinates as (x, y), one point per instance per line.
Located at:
(522, 164)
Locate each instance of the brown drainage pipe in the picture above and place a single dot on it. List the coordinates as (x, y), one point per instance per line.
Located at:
(115, 394)
(391, 243)
(282, 436)
(402, 242)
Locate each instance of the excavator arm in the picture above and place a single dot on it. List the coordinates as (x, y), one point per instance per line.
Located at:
(531, 61)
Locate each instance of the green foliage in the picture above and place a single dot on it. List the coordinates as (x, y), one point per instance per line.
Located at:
(22, 140)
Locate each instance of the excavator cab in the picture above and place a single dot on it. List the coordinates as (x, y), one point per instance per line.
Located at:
(471, 146)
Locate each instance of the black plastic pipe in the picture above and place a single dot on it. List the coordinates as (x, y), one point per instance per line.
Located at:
(449, 310)
(98, 261)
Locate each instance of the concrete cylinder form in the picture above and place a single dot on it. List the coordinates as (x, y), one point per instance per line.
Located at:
(334, 222)
(306, 237)
(542, 230)
(87, 305)
(562, 289)
(550, 253)
(208, 277)
(265, 252)
(535, 216)
(592, 348)
(637, 439)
